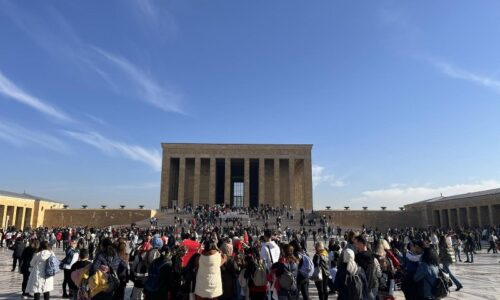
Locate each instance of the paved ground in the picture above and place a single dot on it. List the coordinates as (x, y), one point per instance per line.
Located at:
(481, 280)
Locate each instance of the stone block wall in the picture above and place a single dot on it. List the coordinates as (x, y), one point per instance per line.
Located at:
(95, 217)
(381, 219)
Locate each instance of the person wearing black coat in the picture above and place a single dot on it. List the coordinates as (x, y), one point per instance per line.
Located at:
(18, 249)
(26, 257)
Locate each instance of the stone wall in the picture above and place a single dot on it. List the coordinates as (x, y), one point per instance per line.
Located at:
(95, 217)
(381, 219)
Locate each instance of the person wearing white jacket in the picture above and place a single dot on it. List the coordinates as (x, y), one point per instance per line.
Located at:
(38, 283)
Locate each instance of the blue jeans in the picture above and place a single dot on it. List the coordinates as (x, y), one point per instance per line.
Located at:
(456, 282)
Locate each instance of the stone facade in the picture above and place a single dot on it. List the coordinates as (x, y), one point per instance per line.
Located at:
(236, 175)
(95, 217)
(22, 210)
(465, 210)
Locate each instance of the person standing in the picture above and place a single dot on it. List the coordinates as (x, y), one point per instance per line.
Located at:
(365, 259)
(208, 277)
(447, 258)
(83, 261)
(38, 283)
(26, 258)
(17, 253)
(427, 273)
(492, 239)
(68, 261)
(320, 261)
(469, 248)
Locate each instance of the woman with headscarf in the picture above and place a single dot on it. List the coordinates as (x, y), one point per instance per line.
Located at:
(320, 260)
(348, 267)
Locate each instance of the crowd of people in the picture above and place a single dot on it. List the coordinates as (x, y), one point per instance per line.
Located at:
(217, 253)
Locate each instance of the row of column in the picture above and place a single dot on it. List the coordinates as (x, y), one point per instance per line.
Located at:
(474, 216)
(274, 201)
(15, 216)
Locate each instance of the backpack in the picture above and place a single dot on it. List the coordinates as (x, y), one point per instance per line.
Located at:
(287, 280)
(259, 276)
(140, 271)
(441, 288)
(306, 266)
(371, 274)
(113, 280)
(51, 266)
(152, 283)
(354, 286)
(78, 275)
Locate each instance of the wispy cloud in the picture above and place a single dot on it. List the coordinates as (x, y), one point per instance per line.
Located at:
(319, 176)
(12, 91)
(146, 87)
(399, 195)
(458, 73)
(96, 119)
(60, 39)
(20, 136)
(156, 16)
(150, 157)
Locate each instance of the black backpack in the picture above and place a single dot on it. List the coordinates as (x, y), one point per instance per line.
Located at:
(441, 288)
(354, 285)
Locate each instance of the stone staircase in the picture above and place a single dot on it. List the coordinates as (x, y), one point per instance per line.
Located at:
(168, 218)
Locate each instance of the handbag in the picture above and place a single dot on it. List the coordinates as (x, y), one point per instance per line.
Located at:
(317, 274)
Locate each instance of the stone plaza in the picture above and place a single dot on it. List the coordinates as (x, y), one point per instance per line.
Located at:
(480, 279)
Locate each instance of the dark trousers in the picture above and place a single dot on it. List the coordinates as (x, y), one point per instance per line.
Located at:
(471, 256)
(322, 287)
(492, 247)
(120, 292)
(46, 296)
(67, 278)
(258, 296)
(304, 289)
(26, 276)
(14, 262)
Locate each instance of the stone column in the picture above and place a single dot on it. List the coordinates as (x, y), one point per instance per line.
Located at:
(291, 183)
(211, 182)
(182, 179)
(277, 200)
(165, 184)
(262, 186)
(459, 219)
(196, 193)
(23, 215)
(479, 216)
(308, 188)
(4, 217)
(227, 181)
(14, 215)
(246, 184)
(490, 215)
(468, 217)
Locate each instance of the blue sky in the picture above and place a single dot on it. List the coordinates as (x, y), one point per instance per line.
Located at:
(399, 98)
